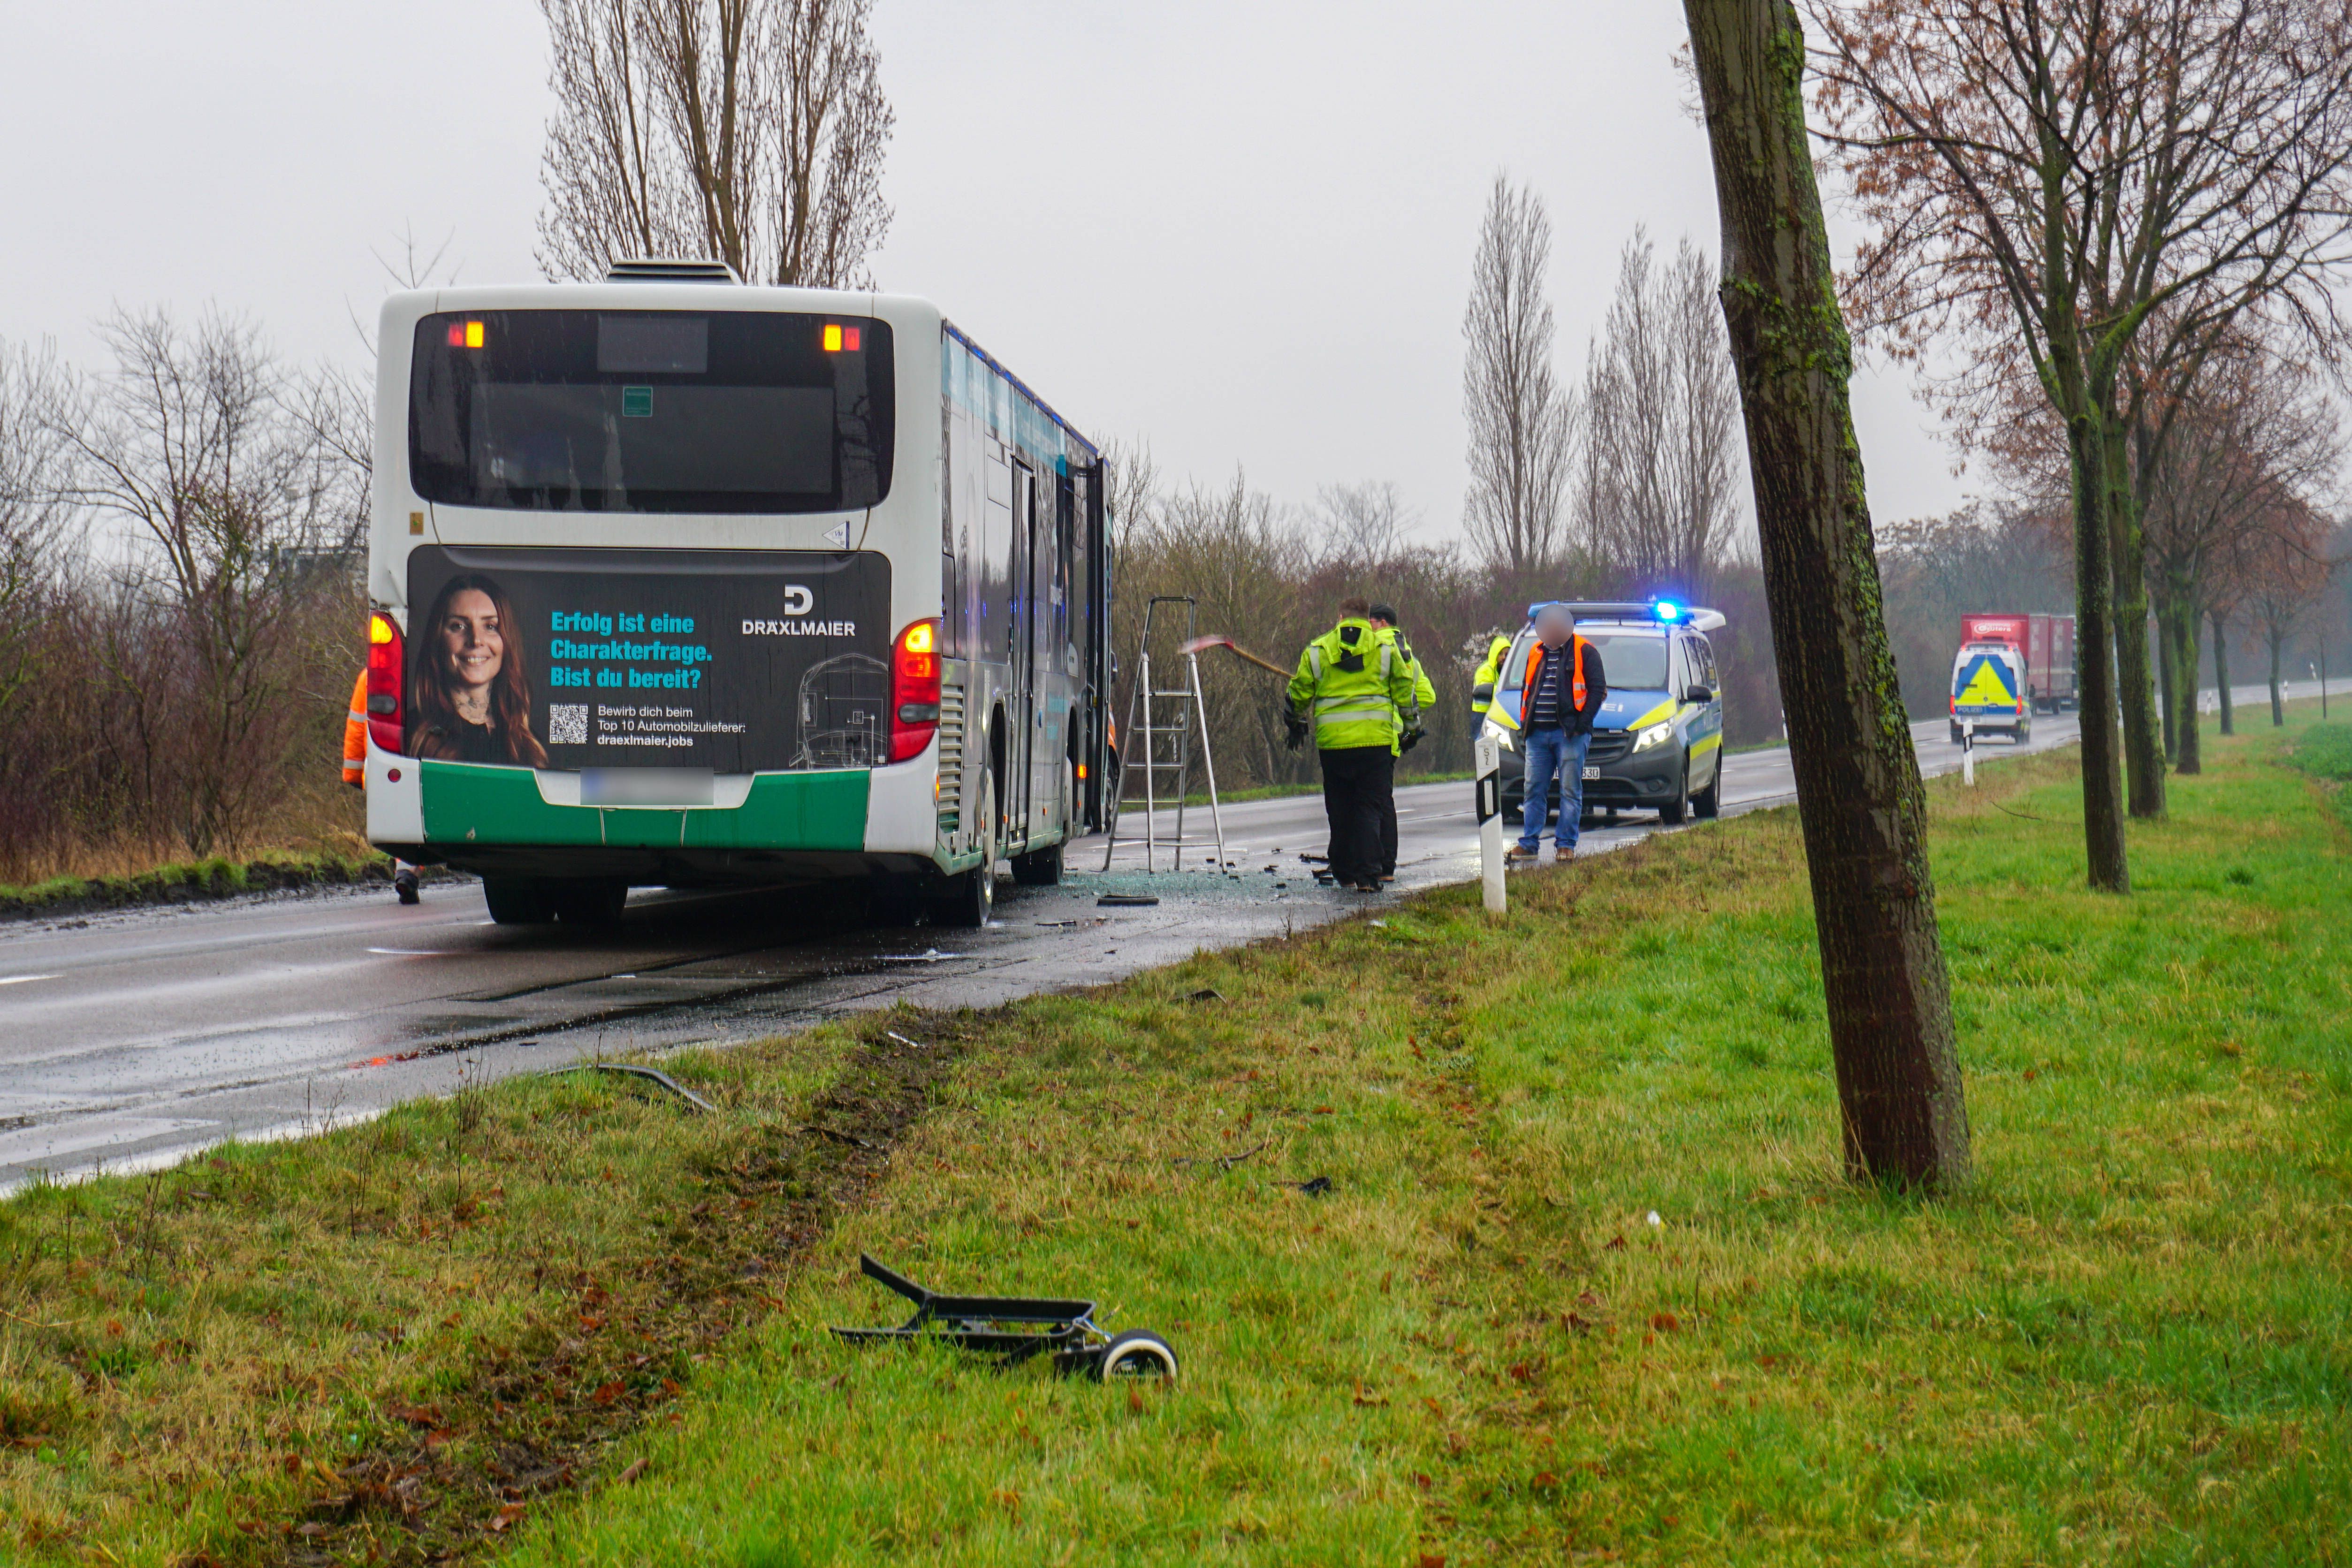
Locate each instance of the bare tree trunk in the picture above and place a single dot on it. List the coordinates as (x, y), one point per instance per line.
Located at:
(2221, 671)
(2128, 543)
(2187, 725)
(2109, 863)
(1858, 791)
(2167, 683)
(2278, 691)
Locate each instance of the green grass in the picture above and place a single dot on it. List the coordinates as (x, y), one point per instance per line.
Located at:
(2127, 1342)
(193, 881)
(2325, 750)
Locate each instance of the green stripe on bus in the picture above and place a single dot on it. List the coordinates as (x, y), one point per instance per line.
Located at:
(467, 803)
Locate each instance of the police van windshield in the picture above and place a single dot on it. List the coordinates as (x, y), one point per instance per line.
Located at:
(1633, 661)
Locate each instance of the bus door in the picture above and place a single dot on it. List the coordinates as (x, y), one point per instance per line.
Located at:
(1064, 719)
(1021, 701)
(1048, 634)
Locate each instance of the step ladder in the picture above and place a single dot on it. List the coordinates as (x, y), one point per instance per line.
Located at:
(1162, 745)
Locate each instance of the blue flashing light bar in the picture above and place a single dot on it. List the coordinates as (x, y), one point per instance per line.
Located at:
(1667, 610)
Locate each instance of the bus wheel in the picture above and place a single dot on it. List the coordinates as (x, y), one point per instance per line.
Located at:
(590, 902)
(518, 900)
(1039, 867)
(970, 896)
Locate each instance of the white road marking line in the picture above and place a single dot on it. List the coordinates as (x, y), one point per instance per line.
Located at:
(23, 979)
(410, 953)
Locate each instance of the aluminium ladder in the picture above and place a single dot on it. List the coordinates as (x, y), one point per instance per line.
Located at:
(1171, 719)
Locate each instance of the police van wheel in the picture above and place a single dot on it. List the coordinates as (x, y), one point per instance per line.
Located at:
(1708, 803)
(518, 900)
(1039, 867)
(1674, 810)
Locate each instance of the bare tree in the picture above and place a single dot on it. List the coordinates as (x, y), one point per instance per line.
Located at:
(1364, 523)
(2254, 439)
(34, 512)
(2285, 570)
(2043, 180)
(1660, 461)
(1521, 420)
(750, 131)
(192, 440)
(1858, 793)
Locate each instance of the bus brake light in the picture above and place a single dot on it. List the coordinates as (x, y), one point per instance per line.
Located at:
(383, 662)
(914, 690)
(839, 339)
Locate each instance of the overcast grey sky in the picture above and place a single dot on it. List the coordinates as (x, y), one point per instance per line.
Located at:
(1241, 230)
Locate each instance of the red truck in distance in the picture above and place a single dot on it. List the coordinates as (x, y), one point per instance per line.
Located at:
(2010, 667)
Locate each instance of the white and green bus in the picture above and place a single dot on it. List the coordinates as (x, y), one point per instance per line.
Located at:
(679, 583)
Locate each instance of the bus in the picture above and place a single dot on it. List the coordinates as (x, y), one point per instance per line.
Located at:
(680, 583)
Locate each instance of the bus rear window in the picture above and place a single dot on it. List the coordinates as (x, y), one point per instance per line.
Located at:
(742, 410)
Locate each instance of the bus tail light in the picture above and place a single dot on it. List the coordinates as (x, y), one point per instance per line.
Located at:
(383, 662)
(914, 690)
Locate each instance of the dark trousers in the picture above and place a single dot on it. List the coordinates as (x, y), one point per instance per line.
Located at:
(1387, 818)
(1356, 779)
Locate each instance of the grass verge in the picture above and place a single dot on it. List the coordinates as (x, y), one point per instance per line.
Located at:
(2127, 1342)
(194, 882)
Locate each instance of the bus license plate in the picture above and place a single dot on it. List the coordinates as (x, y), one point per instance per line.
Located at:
(1590, 774)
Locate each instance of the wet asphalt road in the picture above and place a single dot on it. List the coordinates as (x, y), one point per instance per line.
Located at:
(127, 1040)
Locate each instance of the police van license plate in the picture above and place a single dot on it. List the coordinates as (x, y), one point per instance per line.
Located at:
(1592, 772)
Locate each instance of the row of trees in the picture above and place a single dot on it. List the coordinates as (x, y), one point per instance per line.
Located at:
(1631, 476)
(178, 595)
(2096, 208)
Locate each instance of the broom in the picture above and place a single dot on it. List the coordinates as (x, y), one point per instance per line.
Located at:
(1197, 644)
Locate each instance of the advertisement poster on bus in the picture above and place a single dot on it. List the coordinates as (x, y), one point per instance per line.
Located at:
(732, 661)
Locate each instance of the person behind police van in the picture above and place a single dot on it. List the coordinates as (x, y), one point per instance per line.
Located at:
(1409, 732)
(404, 875)
(1563, 689)
(1482, 685)
(1348, 691)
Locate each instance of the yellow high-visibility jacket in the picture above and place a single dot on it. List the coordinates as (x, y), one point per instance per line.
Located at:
(1354, 687)
(1489, 674)
(1425, 694)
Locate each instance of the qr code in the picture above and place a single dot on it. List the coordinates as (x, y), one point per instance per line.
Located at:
(567, 723)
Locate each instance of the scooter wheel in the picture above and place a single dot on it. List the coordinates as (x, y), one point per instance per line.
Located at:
(1138, 1352)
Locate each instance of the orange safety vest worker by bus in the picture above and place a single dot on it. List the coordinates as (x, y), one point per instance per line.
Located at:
(356, 736)
(404, 875)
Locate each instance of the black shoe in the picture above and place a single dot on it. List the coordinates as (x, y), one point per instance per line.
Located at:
(405, 884)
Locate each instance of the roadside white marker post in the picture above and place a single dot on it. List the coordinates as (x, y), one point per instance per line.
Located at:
(1968, 753)
(1489, 764)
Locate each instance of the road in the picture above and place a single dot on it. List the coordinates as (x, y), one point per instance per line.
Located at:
(127, 1040)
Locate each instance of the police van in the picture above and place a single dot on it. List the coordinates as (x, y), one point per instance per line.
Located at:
(1657, 741)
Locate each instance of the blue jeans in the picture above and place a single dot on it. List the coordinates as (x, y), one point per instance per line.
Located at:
(1551, 751)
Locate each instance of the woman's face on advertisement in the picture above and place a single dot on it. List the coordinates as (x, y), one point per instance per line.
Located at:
(473, 644)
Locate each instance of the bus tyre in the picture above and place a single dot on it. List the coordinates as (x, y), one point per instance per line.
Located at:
(1039, 867)
(588, 901)
(971, 897)
(1707, 804)
(518, 900)
(1674, 810)
(1138, 1352)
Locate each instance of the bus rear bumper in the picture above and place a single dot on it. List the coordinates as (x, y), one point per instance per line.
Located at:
(776, 826)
